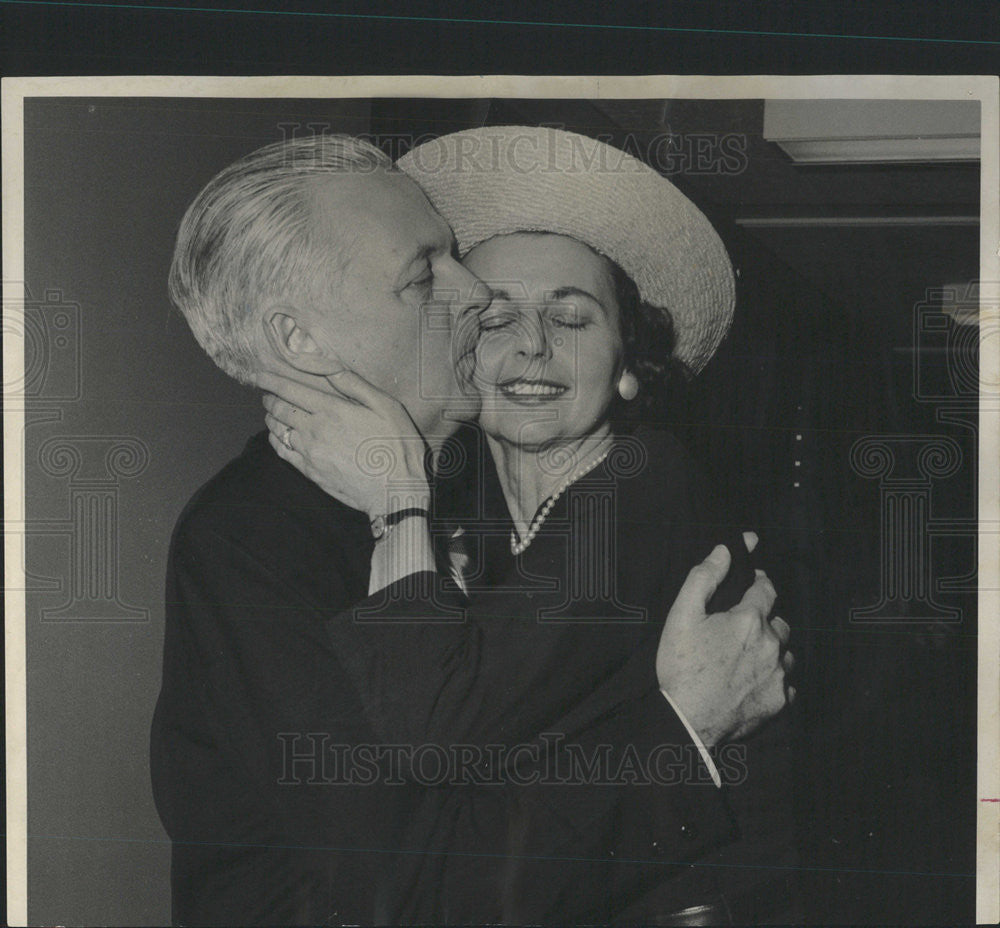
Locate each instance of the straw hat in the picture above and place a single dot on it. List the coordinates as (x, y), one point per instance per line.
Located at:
(501, 179)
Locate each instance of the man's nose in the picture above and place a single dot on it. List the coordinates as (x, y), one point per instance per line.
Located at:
(470, 297)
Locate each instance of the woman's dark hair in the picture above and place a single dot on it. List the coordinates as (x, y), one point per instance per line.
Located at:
(648, 340)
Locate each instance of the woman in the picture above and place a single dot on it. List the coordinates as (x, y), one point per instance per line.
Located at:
(609, 289)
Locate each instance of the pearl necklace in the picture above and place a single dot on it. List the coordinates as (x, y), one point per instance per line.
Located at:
(520, 546)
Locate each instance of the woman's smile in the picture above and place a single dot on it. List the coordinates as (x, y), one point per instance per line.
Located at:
(531, 392)
(549, 356)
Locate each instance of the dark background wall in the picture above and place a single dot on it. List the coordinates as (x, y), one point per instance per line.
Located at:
(826, 323)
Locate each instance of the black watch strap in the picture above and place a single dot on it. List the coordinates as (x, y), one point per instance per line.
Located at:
(380, 525)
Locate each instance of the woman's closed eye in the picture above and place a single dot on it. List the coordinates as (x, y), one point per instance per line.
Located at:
(569, 321)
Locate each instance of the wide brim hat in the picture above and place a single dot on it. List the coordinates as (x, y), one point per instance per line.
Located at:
(502, 179)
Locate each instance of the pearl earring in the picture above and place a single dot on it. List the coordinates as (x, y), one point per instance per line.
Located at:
(628, 386)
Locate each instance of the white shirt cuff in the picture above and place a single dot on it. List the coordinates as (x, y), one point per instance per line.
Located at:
(705, 756)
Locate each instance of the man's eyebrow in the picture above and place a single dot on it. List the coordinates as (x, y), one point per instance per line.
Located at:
(424, 251)
(562, 292)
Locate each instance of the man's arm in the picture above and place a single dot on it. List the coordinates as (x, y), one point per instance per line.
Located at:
(426, 668)
(431, 677)
(436, 669)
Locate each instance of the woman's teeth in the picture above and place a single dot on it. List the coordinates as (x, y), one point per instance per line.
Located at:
(532, 388)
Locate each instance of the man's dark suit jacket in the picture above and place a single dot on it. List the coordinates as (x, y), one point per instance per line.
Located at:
(274, 656)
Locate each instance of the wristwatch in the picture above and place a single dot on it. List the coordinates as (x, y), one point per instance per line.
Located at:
(382, 525)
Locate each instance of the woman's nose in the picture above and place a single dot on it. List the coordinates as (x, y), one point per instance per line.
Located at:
(533, 341)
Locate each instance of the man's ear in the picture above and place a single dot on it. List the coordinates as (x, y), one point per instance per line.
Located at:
(291, 341)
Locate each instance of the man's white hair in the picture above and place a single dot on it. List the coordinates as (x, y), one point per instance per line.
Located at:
(249, 240)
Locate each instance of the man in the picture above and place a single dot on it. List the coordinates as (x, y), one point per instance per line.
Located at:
(316, 260)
